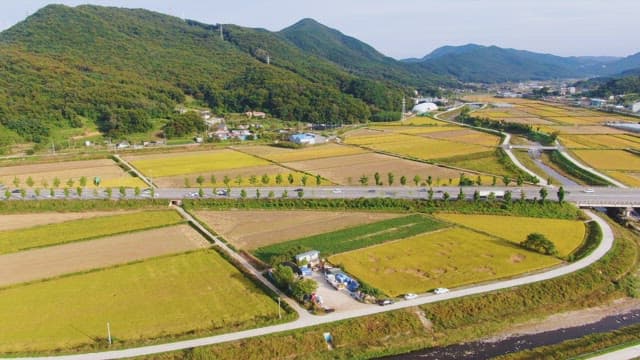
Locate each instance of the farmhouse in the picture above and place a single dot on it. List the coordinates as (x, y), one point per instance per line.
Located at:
(310, 257)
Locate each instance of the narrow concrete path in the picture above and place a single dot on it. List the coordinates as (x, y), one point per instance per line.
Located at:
(507, 149)
(306, 321)
(138, 173)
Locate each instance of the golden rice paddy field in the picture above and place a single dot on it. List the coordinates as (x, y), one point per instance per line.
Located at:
(416, 146)
(283, 155)
(193, 293)
(567, 235)
(44, 175)
(446, 258)
(609, 159)
(601, 141)
(174, 164)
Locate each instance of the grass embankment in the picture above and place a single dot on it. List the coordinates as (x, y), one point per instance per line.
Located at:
(448, 258)
(165, 298)
(351, 238)
(527, 161)
(567, 235)
(84, 229)
(528, 208)
(569, 167)
(454, 321)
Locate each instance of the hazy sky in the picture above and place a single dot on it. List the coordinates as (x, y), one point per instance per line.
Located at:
(412, 28)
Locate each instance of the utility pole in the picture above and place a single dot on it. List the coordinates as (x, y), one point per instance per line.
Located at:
(221, 33)
(109, 332)
(279, 314)
(404, 107)
(268, 59)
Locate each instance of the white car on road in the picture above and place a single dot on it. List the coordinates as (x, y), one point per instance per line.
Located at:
(439, 291)
(410, 296)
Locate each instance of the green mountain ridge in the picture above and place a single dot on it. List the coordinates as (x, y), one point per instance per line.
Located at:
(123, 68)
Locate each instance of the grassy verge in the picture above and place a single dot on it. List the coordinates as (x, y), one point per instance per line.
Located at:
(65, 205)
(84, 229)
(569, 167)
(590, 345)
(162, 299)
(350, 238)
(525, 159)
(453, 321)
(527, 208)
(591, 242)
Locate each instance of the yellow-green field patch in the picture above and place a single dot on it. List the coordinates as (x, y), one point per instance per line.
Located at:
(173, 164)
(609, 159)
(76, 230)
(447, 258)
(567, 235)
(282, 155)
(174, 295)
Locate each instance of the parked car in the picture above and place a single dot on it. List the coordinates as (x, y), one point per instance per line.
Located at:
(410, 296)
(385, 302)
(439, 291)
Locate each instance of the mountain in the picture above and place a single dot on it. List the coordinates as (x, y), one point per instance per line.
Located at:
(355, 56)
(123, 69)
(491, 64)
(476, 63)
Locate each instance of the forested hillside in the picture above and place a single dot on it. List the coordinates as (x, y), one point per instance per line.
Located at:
(123, 69)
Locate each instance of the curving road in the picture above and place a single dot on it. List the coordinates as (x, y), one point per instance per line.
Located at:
(309, 320)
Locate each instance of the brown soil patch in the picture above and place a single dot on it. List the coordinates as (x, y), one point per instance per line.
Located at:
(54, 261)
(253, 229)
(340, 169)
(20, 221)
(517, 258)
(245, 173)
(529, 120)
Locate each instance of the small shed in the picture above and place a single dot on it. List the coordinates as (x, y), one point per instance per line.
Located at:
(309, 257)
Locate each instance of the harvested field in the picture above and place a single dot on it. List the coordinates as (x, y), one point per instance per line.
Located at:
(197, 293)
(283, 155)
(628, 178)
(83, 229)
(20, 221)
(54, 261)
(528, 120)
(195, 162)
(567, 235)
(447, 258)
(253, 229)
(609, 159)
(347, 170)
(43, 175)
(242, 174)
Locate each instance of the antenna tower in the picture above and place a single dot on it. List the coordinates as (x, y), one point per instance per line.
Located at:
(404, 107)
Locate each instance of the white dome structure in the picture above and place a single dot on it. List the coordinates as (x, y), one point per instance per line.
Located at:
(424, 108)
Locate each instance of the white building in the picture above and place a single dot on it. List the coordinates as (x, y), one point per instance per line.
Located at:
(635, 107)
